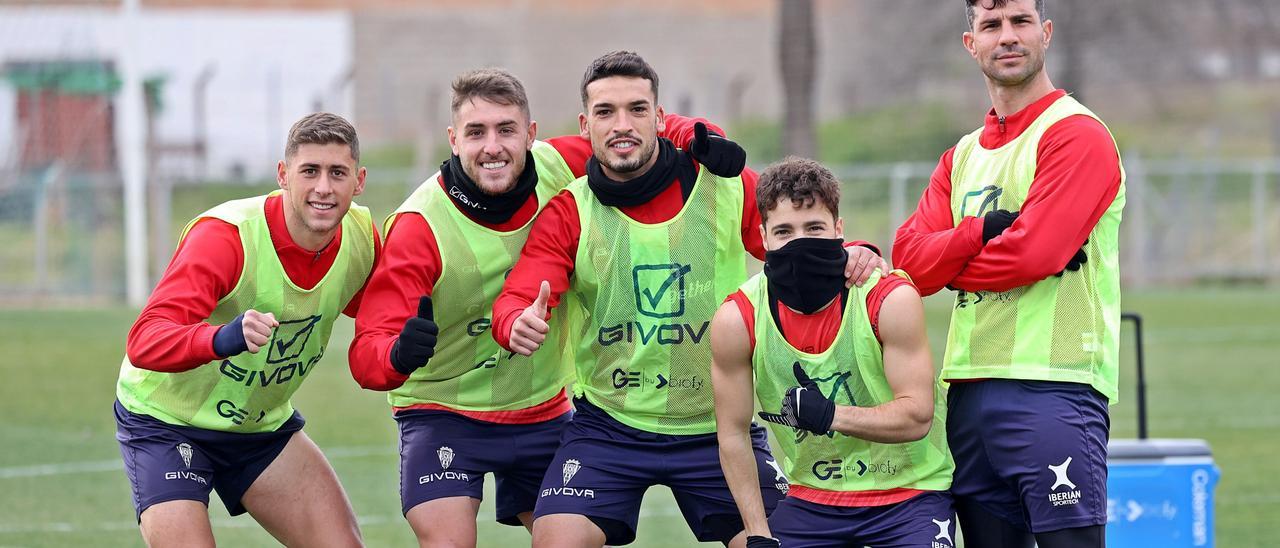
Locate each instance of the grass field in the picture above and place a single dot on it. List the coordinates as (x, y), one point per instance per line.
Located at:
(1213, 362)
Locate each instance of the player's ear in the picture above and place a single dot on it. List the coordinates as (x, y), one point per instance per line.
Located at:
(360, 175)
(840, 227)
(582, 126)
(533, 134)
(282, 174)
(453, 145)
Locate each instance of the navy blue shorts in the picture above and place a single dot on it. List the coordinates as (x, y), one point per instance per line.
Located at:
(925, 520)
(1033, 453)
(444, 454)
(167, 462)
(603, 468)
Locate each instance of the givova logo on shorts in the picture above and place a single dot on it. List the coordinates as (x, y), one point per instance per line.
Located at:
(568, 470)
(445, 454)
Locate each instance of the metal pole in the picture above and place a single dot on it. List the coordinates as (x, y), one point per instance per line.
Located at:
(131, 136)
(1259, 198)
(1142, 375)
(897, 202)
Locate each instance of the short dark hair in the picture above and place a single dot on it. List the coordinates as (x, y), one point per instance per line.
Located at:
(804, 181)
(491, 84)
(322, 128)
(619, 63)
(994, 4)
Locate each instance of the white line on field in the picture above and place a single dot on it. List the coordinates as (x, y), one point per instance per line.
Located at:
(244, 522)
(80, 467)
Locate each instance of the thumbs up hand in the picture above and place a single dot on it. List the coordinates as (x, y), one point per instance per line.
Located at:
(719, 155)
(804, 407)
(530, 327)
(417, 341)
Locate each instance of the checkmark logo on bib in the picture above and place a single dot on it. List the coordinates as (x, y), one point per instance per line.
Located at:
(660, 289)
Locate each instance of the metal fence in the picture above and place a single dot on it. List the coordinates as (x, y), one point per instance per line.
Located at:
(1186, 222)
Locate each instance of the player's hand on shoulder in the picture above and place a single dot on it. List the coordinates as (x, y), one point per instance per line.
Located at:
(862, 262)
(719, 155)
(417, 341)
(530, 328)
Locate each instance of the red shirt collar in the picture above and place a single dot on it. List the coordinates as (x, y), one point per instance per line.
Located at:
(280, 238)
(995, 134)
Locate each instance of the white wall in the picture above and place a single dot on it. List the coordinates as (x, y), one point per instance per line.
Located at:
(304, 53)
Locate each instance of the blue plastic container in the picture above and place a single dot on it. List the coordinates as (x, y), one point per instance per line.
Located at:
(1160, 493)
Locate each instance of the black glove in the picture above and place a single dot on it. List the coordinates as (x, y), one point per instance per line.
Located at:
(995, 222)
(1076, 261)
(757, 541)
(417, 342)
(804, 406)
(719, 155)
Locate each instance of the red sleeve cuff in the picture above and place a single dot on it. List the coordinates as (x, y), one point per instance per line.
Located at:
(502, 327)
(868, 245)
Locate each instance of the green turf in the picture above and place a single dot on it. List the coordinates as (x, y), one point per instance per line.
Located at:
(1209, 352)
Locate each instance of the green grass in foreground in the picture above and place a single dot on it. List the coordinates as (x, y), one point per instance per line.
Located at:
(1210, 358)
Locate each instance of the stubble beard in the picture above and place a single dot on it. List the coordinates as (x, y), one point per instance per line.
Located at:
(647, 151)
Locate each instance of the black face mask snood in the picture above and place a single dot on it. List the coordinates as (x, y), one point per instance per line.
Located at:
(806, 273)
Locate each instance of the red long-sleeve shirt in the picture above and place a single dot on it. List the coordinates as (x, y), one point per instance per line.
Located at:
(170, 334)
(1077, 178)
(549, 252)
(410, 267)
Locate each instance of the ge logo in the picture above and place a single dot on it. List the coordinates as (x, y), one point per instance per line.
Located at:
(659, 289)
(626, 379)
(825, 470)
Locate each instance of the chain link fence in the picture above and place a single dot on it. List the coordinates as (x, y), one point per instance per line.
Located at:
(1186, 222)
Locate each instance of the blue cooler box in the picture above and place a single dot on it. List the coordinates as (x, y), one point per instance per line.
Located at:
(1160, 493)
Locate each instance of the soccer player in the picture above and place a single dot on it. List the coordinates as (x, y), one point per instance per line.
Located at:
(850, 372)
(236, 324)
(645, 246)
(1022, 217)
(465, 407)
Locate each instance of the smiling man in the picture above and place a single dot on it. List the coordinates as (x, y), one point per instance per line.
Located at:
(236, 324)
(645, 246)
(466, 408)
(1022, 217)
(849, 375)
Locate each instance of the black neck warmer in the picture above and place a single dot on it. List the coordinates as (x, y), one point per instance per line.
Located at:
(488, 208)
(641, 189)
(806, 273)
